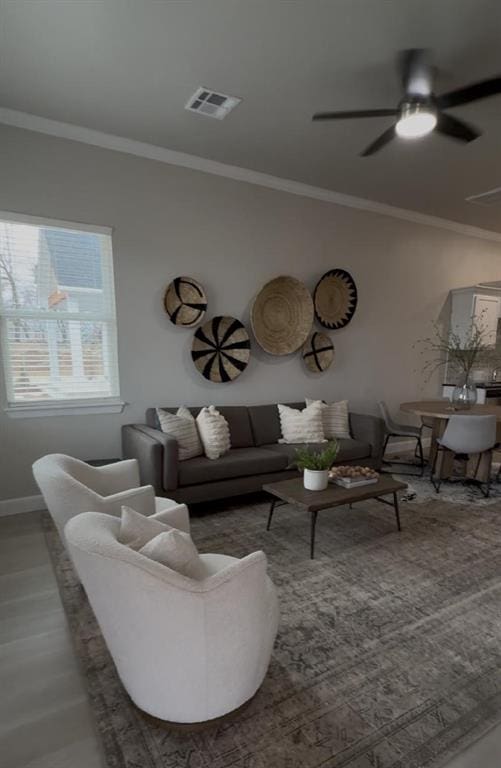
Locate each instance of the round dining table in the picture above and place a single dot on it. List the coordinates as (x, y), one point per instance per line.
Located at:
(438, 413)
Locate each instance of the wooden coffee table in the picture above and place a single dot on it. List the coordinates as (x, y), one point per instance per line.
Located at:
(293, 492)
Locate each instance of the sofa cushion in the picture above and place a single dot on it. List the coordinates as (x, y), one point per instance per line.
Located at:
(237, 417)
(349, 450)
(265, 422)
(238, 462)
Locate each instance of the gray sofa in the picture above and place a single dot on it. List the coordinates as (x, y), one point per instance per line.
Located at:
(256, 456)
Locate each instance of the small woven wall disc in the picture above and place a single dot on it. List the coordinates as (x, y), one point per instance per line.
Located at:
(318, 352)
(185, 301)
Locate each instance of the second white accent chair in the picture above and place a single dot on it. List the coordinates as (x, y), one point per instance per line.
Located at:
(70, 486)
(186, 650)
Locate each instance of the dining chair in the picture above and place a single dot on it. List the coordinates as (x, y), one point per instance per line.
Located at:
(396, 429)
(464, 437)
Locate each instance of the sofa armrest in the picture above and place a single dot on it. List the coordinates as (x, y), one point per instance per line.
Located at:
(369, 429)
(156, 453)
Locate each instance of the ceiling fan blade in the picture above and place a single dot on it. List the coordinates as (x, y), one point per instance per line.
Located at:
(481, 90)
(380, 142)
(456, 129)
(417, 72)
(356, 113)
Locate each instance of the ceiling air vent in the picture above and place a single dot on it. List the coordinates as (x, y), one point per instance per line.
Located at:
(211, 103)
(492, 197)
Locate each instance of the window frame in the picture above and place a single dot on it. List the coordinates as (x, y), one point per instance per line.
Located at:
(64, 407)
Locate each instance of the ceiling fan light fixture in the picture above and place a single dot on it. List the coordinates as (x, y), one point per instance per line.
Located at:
(416, 120)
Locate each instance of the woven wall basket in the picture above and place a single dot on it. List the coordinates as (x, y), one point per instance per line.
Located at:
(282, 316)
(335, 299)
(185, 301)
(221, 349)
(318, 352)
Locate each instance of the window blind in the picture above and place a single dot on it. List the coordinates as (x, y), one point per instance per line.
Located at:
(57, 313)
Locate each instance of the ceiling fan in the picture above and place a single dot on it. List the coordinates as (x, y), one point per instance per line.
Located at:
(420, 111)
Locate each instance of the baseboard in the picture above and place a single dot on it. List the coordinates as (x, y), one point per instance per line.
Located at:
(20, 505)
(402, 446)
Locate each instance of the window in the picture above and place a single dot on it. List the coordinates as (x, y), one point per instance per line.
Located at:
(57, 314)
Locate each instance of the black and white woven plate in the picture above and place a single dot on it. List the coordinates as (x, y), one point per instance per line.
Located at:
(221, 349)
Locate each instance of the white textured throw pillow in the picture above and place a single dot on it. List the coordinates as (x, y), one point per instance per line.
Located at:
(301, 426)
(214, 432)
(335, 418)
(176, 550)
(183, 427)
(137, 529)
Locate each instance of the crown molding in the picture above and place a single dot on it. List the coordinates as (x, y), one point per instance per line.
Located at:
(171, 157)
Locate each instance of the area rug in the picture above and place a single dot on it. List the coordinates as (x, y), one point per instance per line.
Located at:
(420, 489)
(388, 653)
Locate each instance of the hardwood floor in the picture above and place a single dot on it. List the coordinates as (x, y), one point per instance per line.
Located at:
(45, 718)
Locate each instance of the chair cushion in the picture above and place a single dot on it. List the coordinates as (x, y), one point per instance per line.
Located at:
(177, 551)
(349, 450)
(265, 422)
(238, 462)
(137, 529)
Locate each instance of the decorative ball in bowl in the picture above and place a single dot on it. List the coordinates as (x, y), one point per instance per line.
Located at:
(352, 476)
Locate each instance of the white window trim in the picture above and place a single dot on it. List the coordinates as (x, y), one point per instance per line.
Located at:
(42, 221)
(63, 407)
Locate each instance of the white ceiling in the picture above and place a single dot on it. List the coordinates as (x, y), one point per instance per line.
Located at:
(128, 66)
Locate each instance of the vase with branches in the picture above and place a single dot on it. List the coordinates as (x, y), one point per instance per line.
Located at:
(462, 352)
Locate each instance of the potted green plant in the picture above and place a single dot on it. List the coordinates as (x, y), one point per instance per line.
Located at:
(315, 465)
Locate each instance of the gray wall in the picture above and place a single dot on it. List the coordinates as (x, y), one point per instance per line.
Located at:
(232, 237)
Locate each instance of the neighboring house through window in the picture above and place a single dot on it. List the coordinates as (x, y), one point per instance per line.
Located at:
(57, 312)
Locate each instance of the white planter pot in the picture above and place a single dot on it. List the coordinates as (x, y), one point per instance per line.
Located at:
(316, 480)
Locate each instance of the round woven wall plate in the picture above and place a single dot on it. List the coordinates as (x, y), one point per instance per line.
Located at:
(221, 349)
(185, 302)
(335, 299)
(282, 316)
(318, 352)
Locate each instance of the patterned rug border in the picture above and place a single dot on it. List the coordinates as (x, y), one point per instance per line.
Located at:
(469, 728)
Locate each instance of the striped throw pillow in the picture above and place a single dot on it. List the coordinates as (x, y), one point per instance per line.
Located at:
(183, 427)
(335, 418)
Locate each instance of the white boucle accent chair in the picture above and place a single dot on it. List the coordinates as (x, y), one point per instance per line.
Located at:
(70, 486)
(186, 651)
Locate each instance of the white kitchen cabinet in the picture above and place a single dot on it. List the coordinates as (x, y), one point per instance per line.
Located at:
(484, 308)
